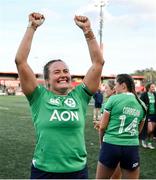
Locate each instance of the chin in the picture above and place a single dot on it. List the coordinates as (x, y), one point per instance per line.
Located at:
(64, 89)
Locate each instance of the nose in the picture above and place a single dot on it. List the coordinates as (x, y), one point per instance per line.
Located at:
(62, 74)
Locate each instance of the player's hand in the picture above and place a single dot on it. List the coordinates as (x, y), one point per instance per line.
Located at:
(82, 22)
(35, 20)
(96, 124)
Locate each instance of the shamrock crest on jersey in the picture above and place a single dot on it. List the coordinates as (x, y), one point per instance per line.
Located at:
(70, 102)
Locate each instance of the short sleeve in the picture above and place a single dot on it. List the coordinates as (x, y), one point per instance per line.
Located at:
(39, 90)
(109, 104)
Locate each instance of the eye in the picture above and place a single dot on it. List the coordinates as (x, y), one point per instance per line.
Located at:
(66, 70)
(56, 72)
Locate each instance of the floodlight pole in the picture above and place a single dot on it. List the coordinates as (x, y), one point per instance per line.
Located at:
(101, 24)
(101, 4)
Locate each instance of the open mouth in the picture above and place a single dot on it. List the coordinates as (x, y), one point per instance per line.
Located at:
(63, 81)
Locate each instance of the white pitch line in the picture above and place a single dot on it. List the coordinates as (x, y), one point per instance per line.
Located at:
(4, 108)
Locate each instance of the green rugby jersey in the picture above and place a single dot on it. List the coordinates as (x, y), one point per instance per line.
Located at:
(103, 105)
(125, 115)
(59, 123)
(151, 103)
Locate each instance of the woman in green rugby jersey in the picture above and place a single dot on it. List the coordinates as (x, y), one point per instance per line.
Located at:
(121, 123)
(59, 113)
(108, 91)
(149, 98)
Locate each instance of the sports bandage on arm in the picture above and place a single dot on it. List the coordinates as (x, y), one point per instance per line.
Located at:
(35, 24)
(89, 35)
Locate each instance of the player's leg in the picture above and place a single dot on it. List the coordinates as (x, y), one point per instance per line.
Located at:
(130, 174)
(103, 172)
(117, 173)
(108, 160)
(130, 162)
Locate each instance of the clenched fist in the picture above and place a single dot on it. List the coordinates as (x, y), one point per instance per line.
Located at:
(35, 20)
(83, 22)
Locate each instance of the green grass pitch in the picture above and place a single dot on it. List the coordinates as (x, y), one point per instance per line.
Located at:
(17, 142)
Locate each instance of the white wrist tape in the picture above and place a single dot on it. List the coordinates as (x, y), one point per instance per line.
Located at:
(39, 21)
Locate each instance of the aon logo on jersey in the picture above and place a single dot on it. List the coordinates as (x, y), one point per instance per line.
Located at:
(64, 116)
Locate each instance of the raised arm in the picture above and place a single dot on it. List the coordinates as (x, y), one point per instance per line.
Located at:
(27, 77)
(93, 76)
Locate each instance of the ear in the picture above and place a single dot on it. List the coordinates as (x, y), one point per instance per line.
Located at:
(124, 86)
(47, 84)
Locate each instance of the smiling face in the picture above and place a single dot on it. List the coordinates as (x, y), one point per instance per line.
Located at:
(59, 80)
(109, 91)
(152, 88)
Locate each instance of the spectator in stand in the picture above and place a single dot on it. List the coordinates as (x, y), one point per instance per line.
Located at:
(149, 98)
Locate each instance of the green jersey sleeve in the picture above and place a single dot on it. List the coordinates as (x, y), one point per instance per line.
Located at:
(39, 90)
(109, 104)
(83, 92)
